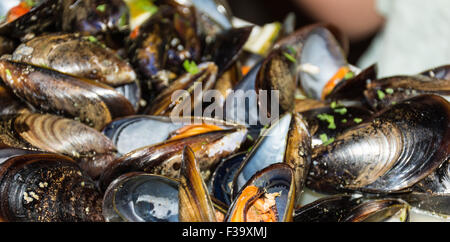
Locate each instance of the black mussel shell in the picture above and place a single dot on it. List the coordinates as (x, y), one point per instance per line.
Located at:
(389, 153)
(385, 92)
(47, 188)
(353, 208)
(42, 17)
(327, 123)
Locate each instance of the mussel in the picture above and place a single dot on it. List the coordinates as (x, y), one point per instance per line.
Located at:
(47, 90)
(353, 208)
(95, 16)
(44, 132)
(134, 132)
(165, 158)
(384, 92)
(391, 152)
(40, 17)
(76, 55)
(47, 187)
(287, 141)
(267, 197)
(195, 202)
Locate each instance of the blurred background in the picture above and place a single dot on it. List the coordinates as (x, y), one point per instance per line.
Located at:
(266, 11)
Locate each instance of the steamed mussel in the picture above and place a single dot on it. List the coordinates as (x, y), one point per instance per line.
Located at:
(106, 115)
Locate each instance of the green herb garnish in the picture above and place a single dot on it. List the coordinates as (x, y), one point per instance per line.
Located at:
(389, 90)
(123, 21)
(381, 94)
(8, 73)
(325, 140)
(92, 39)
(101, 7)
(289, 57)
(349, 75)
(357, 120)
(341, 111)
(333, 105)
(249, 137)
(191, 67)
(146, 6)
(329, 119)
(30, 3)
(344, 121)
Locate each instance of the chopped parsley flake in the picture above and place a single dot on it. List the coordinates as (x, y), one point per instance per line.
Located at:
(349, 75)
(381, 94)
(92, 39)
(101, 7)
(389, 90)
(291, 50)
(289, 57)
(329, 119)
(357, 120)
(249, 137)
(123, 20)
(341, 111)
(30, 3)
(344, 121)
(333, 105)
(325, 140)
(191, 67)
(146, 6)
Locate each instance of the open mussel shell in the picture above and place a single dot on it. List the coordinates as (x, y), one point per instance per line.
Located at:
(237, 110)
(131, 133)
(223, 176)
(353, 208)
(195, 202)
(165, 158)
(227, 47)
(297, 38)
(286, 141)
(353, 88)
(329, 122)
(185, 93)
(141, 197)
(384, 92)
(321, 58)
(274, 187)
(67, 53)
(95, 16)
(440, 72)
(389, 153)
(51, 188)
(41, 17)
(218, 12)
(47, 90)
(59, 135)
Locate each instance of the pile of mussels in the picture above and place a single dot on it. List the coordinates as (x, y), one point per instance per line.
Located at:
(85, 132)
